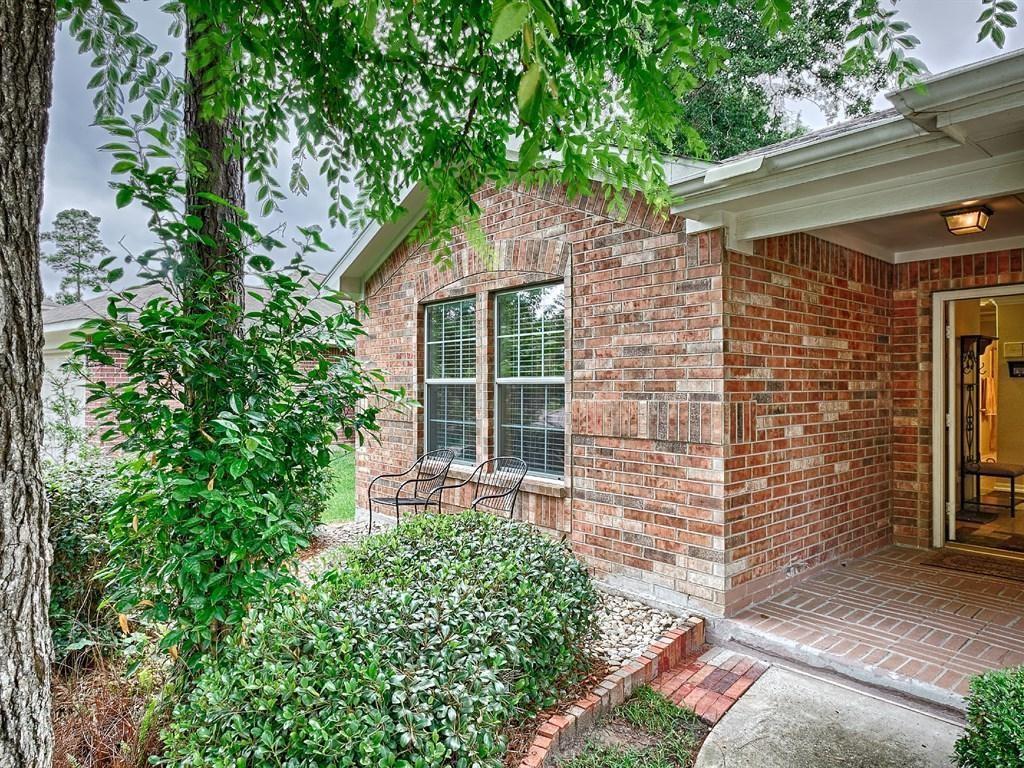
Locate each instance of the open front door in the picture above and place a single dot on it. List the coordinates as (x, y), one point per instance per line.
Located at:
(950, 405)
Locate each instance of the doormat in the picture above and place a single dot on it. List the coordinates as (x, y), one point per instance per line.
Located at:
(967, 562)
(969, 515)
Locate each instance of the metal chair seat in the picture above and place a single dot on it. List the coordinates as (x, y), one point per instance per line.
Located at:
(494, 484)
(429, 472)
(405, 501)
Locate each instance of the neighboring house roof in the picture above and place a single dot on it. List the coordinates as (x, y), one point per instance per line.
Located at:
(60, 319)
(963, 116)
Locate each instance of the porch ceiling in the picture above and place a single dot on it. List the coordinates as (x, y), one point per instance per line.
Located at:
(923, 235)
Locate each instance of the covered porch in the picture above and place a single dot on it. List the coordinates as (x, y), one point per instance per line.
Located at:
(894, 620)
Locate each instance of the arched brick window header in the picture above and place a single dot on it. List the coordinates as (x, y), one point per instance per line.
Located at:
(534, 257)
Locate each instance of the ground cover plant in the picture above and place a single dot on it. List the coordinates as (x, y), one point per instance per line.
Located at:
(647, 731)
(80, 493)
(417, 652)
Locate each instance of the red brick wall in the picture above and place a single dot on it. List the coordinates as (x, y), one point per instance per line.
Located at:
(915, 283)
(734, 419)
(642, 499)
(111, 374)
(808, 387)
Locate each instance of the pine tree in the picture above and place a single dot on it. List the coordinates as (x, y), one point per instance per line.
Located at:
(80, 248)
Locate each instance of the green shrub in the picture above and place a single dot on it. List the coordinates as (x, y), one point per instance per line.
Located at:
(994, 737)
(228, 414)
(80, 492)
(415, 654)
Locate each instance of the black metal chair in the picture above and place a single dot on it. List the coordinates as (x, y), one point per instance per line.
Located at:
(495, 484)
(430, 472)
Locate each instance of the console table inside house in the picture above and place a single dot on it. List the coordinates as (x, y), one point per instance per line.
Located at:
(972, 349)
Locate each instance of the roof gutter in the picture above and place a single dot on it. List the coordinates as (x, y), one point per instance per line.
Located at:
(924, 115)
(737, 179)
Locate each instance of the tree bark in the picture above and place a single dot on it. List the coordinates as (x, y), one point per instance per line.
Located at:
(214, 167)
(26, 66)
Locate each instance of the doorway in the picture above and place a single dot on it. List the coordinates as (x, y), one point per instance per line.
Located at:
(983, 412)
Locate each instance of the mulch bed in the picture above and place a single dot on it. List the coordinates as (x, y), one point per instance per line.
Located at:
(520, 735)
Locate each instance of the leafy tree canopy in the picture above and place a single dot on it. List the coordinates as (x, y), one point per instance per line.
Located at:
(387, 94)
(78, 255)
(741, 106)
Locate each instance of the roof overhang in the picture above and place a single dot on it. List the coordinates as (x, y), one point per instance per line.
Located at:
(958, 136)
(376, 242)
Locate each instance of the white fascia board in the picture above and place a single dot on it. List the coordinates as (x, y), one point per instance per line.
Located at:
(994, 103)
(981, 81)
(56, 334)
(987, 177)
(376, 242)
(64, 325)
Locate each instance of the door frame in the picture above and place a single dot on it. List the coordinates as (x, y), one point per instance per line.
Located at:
(943, 359)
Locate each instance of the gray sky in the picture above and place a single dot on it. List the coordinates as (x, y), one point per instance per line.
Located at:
(77, 174)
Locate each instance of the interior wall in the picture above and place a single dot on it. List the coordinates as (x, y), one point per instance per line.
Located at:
(1010, 429)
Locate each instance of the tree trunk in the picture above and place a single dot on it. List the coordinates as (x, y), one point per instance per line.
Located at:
(26, 64)
(214, 167)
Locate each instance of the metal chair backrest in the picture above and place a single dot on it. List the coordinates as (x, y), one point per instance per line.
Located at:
(432, 471)
(497, 484)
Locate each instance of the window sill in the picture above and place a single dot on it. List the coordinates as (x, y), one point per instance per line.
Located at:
(541, 486)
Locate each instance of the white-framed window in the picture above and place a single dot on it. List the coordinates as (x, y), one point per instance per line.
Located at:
(450, 381)
(530, 377)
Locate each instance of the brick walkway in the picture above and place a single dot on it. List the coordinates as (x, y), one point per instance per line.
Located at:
(893, 616)
(711, 683)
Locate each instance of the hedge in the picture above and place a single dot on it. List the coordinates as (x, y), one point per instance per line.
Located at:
(417, 653)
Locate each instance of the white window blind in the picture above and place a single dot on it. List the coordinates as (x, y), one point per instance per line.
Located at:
(450, 396)
(530, 377)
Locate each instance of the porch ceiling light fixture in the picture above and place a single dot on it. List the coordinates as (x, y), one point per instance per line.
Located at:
(967, 221)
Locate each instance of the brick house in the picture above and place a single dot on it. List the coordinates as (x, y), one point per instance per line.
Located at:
(715, 402)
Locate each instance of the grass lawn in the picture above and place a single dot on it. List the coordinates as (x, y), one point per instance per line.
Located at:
(648, 731)
(341, 499)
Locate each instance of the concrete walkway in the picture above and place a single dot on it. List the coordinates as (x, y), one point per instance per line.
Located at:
(788, 719)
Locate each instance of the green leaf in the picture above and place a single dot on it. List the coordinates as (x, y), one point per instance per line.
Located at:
(124, 196)
(529, 84)
(509, 21)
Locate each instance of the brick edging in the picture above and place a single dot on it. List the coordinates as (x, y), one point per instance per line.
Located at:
(664, 653)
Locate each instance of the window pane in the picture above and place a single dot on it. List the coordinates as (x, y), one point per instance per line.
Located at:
(451, 354)
(451, 340)
(451, 419)
(531, 332)
(531, 425)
